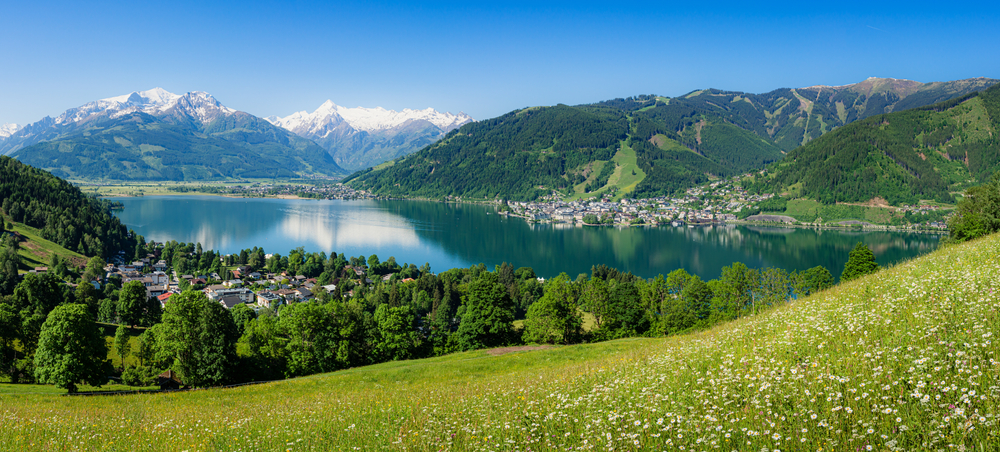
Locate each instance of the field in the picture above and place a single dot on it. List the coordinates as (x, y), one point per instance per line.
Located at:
(626, 176)
(901, 360)
(808, 210)
(36, 251)
(164, 187)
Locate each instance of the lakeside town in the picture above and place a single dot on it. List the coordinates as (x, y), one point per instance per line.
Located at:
(723, 201)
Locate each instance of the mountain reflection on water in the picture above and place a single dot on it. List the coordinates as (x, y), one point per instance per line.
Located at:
(459, 235)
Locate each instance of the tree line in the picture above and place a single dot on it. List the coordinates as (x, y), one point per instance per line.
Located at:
(367, 319)
(61, 212)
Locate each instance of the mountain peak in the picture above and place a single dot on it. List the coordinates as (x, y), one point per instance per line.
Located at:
(327, 106)
(7, 130)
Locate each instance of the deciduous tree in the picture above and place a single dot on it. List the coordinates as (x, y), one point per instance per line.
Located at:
(860, 262)
(71, 349)
(198, 337)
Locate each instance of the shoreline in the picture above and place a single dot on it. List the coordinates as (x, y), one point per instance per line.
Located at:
(863, 228)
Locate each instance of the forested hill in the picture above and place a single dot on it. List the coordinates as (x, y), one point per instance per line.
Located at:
(139, 146)
(581, 150)
(640, 146)
(926, 153)
(61, 212)
(792, 117)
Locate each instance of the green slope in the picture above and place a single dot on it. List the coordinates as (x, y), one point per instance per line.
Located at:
(579, 151)
(52, 209)
(904, 359)
(921, 154)
(140, 147)
(533, 152)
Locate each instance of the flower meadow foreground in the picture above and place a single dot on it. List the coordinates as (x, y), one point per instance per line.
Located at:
(901, 360)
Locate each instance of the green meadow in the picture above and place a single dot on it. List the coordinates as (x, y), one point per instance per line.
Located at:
(903, 359)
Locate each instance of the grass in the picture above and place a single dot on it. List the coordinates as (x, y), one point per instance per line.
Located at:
(35, 251)
(627, 174)
(808, 210)
(905, 359)
(163, 187)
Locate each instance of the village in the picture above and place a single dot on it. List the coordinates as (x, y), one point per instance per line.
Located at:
(244, 285)
(717, 202)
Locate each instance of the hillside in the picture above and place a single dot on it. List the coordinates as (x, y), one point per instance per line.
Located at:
(899, 360)
(582, 150)
(925, 153)
(640, 146)
(792, 117)
(156, 135)
(60, 213)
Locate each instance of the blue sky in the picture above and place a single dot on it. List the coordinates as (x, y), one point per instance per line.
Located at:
(482, 58)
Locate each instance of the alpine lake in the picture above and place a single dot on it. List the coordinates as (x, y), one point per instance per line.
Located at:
(449, 235)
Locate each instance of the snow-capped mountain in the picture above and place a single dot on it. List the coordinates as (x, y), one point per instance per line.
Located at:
(365, 119)
(198, 107)
(362, 137)
(7, 130)
(355, 138)
(159, 135)
(157, 102)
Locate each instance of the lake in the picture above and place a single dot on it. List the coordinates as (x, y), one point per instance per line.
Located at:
(460, 235)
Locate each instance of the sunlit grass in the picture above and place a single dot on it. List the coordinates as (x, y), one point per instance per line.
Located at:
(900, 360)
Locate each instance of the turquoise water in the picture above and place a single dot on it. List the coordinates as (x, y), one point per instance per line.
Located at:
(460, 235)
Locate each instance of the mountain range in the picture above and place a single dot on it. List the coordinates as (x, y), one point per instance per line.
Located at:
(925, 153)
(158, 135)
(362, 137)
(644, 145)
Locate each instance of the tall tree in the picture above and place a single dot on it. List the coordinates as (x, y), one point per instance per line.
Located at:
(10, 260)
(313, 338)
(132, 303)
(625, 315)
(860, 262)
(94, 270)
(489, 314)
(397, 333)
(10, 327)
(242, 315)
(594, 300)
(122, 345)
(34, 298)
(554, 317)
(978, 213)
(87, 295)
(198, 337)
(71, 349)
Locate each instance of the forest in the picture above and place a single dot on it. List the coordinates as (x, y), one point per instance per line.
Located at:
(61, 211)
(379, 311)
(684, 141)
(924, 153)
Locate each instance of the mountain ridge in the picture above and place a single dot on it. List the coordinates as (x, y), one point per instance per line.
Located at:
(925, 153)
(677, 142)
(157, 135)
(362, 137)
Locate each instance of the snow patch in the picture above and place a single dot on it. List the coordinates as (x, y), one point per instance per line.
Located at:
(329, 115)
(198, 105)
(7, 130)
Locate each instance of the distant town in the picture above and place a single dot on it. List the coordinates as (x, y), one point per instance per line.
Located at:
(718, 202)
(721, 201)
